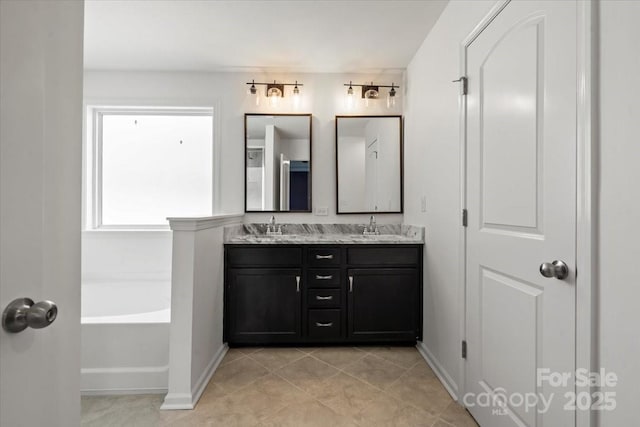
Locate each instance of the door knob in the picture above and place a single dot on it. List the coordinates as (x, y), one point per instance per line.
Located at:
(22, 313)
(557, 269)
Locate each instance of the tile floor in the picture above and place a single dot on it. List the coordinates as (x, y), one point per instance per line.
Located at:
(332, 386)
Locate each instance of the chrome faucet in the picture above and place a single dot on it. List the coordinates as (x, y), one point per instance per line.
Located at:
(372, 229)
(271, 227)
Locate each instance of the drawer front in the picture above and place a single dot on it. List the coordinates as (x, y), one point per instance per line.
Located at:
(321, 298)
(264, 257)
(324, 324)
(318, 257)
(383, 256)
(323, 278)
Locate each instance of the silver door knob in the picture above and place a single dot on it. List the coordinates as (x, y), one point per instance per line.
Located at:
(557, 269)
(22, 313)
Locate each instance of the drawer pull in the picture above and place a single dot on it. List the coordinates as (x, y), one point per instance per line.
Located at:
(319, 277)
(324, 256)
(324, 325)
(297, 283)
(350, 283)
(327, 298)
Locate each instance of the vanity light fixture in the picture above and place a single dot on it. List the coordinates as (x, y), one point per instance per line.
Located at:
(275, 91)
(371, 92)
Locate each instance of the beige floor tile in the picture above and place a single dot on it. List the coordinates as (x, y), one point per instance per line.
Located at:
(238, 374)
(306, 372)
(372, 389)
(386, 411)
(116, 411)
(212, 392)
(421, 370)
(252, 404)
(375, 371)
(401, 356)
(345, 394)
(424, 393)
(248, 350)
(338, 357)
(458, 416)
(308, 414)
(232, 355)
(276, 358)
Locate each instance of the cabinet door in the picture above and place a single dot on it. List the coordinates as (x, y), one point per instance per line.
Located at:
(383, 304)
(264, 305)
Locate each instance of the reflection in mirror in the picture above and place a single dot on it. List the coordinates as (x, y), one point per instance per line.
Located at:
(369, 164)
(278, 163)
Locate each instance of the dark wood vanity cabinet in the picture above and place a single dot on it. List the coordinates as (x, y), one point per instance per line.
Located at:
(305, 294)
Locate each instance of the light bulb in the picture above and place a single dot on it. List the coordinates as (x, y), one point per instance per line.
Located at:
(274, 96)
(296, 97)
(350, 101)
(369, 95)
(253, 93)
(391, 97)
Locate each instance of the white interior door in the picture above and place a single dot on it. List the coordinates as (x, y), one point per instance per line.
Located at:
(521, 200)
(40, 179)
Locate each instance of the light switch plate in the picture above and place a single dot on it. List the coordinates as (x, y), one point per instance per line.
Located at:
(322, 211)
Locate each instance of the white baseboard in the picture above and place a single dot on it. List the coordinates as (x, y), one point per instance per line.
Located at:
(139, 380)
(173, 401)
(442, 375)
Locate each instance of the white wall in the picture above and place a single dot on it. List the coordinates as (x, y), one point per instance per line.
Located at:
(619, 270)
(322, 95)
(432, 170)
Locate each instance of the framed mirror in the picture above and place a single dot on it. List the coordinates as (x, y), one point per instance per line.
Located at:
(277, 162)
(369, 164)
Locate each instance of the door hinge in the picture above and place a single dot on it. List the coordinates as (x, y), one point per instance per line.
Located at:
(465, 220)
(464, 84)
(464, 349)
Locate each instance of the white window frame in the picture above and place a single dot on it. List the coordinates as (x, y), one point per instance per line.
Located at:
(97, 115)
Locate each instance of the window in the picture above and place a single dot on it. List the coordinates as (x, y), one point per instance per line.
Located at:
(151, 164)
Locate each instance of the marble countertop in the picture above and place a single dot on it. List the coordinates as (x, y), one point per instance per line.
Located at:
(324, 234)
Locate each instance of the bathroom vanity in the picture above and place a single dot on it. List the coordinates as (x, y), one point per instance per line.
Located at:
(307, 288)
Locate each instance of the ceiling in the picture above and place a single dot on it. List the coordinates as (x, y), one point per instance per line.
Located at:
(295, 35)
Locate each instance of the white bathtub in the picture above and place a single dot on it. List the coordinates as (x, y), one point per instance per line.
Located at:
(125, 336)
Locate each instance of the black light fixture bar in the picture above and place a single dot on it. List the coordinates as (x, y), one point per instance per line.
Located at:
(278, 84)
(373, 87)
(367, 85)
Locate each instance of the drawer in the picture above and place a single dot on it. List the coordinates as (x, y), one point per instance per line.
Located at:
(264, 256)
(321, 298)
(324, 324)
(323, 277)
(323, 256)
(380, 256)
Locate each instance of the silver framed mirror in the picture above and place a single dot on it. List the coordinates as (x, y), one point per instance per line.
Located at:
(277, 162)
(369, 165)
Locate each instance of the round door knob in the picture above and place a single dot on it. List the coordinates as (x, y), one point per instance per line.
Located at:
(22, 313)
(557, 269)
